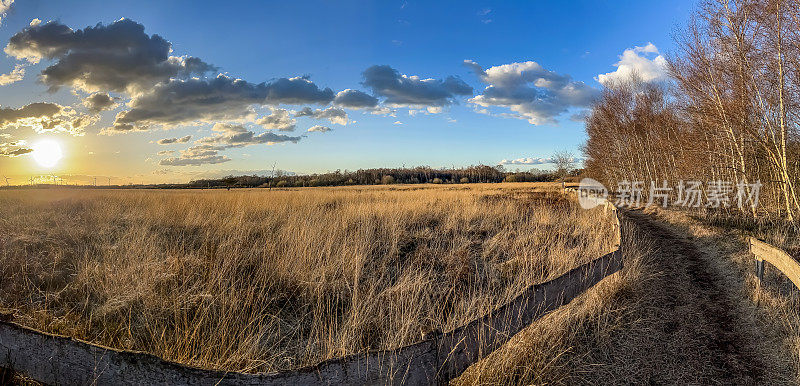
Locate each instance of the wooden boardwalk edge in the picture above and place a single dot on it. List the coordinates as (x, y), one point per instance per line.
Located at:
(777, 257)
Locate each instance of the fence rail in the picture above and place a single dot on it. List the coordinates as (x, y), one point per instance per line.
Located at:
(55, 359)
(775, 256)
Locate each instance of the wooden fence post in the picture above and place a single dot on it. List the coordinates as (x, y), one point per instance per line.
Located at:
(760, 270)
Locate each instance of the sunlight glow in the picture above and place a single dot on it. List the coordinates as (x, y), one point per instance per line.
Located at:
(47, 153)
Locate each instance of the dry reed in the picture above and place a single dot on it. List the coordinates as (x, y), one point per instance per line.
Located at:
(258, 280)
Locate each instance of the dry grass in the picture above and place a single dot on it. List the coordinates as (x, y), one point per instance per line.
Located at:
(772, 307)
(578, 343)
(649, 324)
(266, 280)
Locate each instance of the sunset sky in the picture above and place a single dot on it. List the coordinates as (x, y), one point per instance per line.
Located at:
(169, 91)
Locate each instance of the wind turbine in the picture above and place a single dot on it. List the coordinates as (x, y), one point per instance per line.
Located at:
(7, 184)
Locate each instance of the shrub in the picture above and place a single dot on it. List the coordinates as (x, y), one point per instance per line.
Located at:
(387, 180)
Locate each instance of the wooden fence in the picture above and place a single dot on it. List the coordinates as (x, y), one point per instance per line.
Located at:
(775, 256)
(440, 357)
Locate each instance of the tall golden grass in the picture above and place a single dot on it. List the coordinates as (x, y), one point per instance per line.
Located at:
(264, 280)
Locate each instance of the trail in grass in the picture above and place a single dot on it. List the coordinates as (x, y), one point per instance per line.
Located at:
(694, 331)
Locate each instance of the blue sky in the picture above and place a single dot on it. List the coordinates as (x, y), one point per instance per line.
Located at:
(333, 43)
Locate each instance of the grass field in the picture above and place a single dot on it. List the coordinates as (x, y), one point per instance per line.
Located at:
(264, 280)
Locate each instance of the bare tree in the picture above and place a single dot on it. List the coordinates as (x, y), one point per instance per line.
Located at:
(732, 114)
(564, 162)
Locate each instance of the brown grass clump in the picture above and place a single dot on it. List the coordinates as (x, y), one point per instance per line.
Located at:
(263, 280)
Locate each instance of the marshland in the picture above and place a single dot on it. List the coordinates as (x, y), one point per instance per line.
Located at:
(265, 280)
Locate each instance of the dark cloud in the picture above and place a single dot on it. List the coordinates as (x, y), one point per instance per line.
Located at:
(98, 102)
(167, 141)
(33, 110)
(531, 91)
(195, 156)
(297, 91)
(238, 136)
(118, 128)
(118, 57)
(227, 136)
(355, 99)
(14, 149)
(164, 90)
(278, 120)
(413, 91)
(333, 114)
(185, 101)
(45, 117)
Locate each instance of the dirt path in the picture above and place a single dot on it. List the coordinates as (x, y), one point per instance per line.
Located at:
(679, 313)
(693, 329)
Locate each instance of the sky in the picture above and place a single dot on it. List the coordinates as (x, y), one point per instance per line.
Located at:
(170, 91)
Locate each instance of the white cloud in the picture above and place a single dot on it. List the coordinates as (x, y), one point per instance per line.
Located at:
(333, 114)
(530, 91)
(15, 75)
(646, 62)
(5, 5)
(534, 161)
(385, 111)
(319, 129)
(278, 120)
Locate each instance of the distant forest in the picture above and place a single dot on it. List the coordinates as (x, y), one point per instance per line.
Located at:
(417, 175)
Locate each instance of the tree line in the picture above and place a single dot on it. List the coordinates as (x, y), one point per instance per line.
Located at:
(729, 112)
(385, 176)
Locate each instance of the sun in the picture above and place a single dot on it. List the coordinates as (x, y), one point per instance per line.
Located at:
(46, 153)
